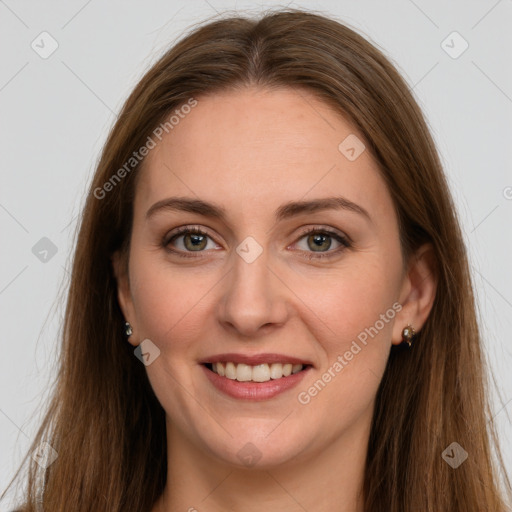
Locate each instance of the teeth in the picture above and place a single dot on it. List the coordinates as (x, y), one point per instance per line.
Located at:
(296, 368)
(220, 369)
(259, 373)
(243, 372)
(230, 371)
(276, 371)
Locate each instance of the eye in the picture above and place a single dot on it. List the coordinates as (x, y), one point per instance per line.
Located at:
(318, 241)
(193, 239)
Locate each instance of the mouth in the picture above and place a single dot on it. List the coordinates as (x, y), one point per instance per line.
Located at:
(254, 382)
(259, 373)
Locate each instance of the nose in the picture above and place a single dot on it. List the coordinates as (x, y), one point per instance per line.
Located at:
(254, 298)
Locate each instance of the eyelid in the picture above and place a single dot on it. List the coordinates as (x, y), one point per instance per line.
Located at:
(344, 241)
(190, 228)
(325, 229)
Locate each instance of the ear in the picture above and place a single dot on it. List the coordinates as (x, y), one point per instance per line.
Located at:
(417, 293)
(124, 297)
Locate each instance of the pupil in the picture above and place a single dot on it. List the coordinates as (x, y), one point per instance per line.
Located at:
(196, 240)
(319, 239)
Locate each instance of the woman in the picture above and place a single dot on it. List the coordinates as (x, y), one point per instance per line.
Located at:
(270, 303)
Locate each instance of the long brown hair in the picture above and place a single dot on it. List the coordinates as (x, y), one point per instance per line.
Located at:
(104, 420)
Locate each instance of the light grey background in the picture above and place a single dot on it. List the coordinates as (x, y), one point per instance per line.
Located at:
(56, 112)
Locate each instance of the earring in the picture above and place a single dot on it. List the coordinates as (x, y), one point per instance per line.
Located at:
(408, 334)
(128, 329)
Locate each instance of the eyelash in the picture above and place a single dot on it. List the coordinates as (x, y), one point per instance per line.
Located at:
(308, 231)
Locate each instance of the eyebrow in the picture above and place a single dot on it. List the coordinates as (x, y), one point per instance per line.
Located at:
(285, 211)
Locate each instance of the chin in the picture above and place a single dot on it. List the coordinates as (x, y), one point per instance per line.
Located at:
(259, 448)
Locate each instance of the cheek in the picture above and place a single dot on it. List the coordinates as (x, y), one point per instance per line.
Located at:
(365, 306)
(173, 305)
(170, 309)
(169, 301)
(351, 315)
(352, 319)
(350, 302)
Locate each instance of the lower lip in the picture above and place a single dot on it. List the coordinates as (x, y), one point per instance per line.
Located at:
(254, 390)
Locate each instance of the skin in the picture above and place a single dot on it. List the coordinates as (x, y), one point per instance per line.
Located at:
(251, 151)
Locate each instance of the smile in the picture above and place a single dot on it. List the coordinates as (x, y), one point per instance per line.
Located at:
(257, 373)
(258, 382)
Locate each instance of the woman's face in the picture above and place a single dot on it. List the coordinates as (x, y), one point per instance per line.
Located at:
(256, 285)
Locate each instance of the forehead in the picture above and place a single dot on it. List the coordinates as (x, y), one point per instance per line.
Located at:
(254, 149)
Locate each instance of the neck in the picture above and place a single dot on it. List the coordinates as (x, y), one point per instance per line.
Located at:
(330, 479)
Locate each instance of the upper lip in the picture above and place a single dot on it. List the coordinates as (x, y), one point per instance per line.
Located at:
(254, 359)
